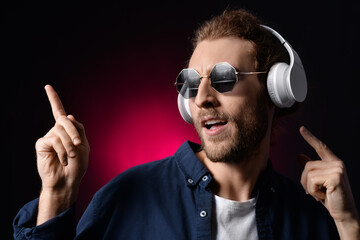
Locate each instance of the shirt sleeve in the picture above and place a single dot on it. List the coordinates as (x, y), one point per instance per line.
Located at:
(62, 226)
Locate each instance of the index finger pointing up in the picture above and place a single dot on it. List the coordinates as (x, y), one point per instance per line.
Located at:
(322, 150)
(55, 102)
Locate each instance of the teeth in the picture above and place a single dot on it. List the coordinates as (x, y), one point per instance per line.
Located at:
(212, 122)
(208, 124)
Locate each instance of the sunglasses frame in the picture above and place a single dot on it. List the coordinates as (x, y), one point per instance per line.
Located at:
(201, 77)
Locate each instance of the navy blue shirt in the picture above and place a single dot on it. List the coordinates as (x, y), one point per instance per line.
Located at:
(171, 199)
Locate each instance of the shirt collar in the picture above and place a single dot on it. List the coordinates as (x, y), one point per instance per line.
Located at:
(191, 167)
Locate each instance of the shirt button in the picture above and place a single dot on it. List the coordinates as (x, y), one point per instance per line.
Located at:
(205, 178)
(190, 181)
(203, 214)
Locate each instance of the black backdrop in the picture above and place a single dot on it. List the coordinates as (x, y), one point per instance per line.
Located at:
(122, 57)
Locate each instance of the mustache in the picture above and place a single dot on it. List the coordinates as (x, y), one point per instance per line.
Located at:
(214, 113)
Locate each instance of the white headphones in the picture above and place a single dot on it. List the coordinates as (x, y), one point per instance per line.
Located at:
(286, 83)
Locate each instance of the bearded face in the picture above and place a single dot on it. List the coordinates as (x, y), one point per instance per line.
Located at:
(242, 134)
(231, 124)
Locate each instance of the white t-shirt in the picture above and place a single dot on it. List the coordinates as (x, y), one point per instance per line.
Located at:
(234, 220)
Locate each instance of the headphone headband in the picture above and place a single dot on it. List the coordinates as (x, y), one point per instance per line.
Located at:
(295, 78)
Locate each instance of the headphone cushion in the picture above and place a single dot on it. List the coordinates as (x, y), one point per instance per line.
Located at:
(184, 108)
(277, 85)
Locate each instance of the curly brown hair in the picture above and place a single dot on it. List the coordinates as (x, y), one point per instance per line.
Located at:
(242, 24)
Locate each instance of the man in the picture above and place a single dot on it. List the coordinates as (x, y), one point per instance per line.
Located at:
(223, 189)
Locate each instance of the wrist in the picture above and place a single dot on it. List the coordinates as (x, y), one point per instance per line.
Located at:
(53, 202)
(59, 198)
(349, 229)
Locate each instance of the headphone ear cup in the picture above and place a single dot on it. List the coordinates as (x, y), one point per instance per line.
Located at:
(277, 85)
(184, 108)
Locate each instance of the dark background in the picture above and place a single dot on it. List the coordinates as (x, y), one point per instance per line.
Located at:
(114, 64)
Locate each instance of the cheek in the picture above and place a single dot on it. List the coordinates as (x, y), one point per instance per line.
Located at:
(248, 87)
(234, 104)
(244, 93)
(192, 107)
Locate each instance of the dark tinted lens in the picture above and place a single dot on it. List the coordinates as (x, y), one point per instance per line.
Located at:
(223, 77)
(188, 82)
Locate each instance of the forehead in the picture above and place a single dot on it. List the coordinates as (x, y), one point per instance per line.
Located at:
(236, 51)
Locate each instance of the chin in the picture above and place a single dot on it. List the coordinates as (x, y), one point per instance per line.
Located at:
(220, 148)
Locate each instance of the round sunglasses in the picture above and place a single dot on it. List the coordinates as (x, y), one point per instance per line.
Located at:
(223, 77)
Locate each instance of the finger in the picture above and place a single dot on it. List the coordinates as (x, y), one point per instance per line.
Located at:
(66, 141)
(316, 187)
(312, 181)
(52, 143)
(72, 118)
(55, 102)
(313, 168)
(318, 192)
(307, 173)
(319, 177)
(79, 126)
(322, 150)
(70, 129)
(60, 150)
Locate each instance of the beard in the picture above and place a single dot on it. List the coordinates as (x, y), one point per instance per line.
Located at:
(248, 129)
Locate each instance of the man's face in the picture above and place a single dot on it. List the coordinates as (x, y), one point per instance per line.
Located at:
(230, 125)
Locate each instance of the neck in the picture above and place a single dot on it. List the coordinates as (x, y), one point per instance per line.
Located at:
(236, 181)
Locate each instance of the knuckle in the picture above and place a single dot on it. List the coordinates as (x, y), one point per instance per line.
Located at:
(340, 165)
(307, 166)
(38, 142)
(61, 119)
(311, 177)
(57, 127)
(55, 140)
(322, 145)
(67, 124)
(339, 173)
(310, 165)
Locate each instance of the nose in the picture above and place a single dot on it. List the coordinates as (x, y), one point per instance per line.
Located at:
(206, 96)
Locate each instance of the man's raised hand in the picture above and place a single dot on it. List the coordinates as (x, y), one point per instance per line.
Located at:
(326, 180)
(62, 159)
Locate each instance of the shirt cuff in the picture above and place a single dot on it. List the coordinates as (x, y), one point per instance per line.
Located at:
(62, 226)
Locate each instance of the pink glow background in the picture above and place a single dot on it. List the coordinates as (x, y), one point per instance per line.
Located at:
(130, 113)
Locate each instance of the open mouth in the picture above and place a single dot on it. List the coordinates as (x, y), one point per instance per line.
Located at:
(213, 124)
